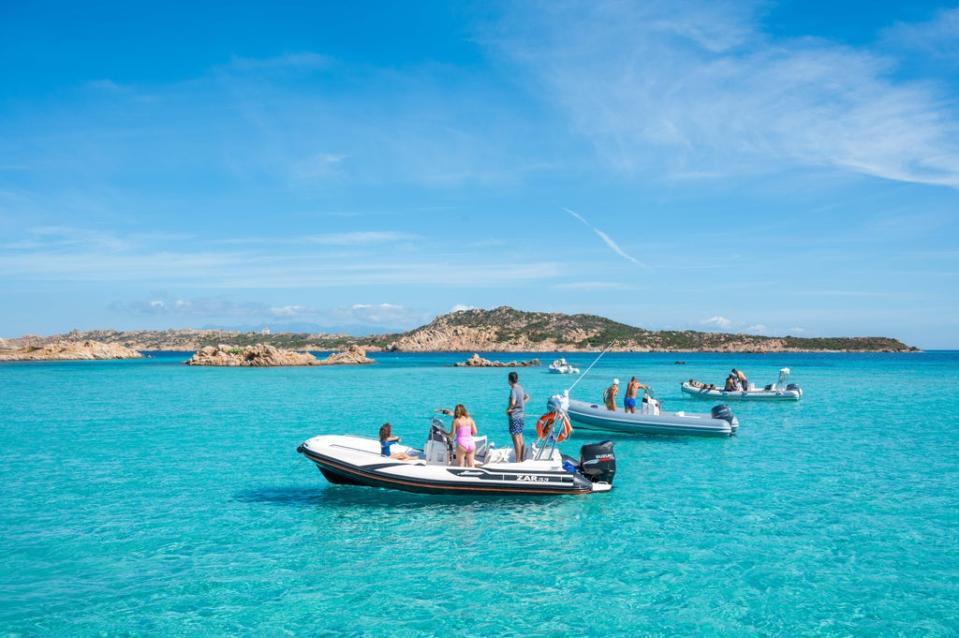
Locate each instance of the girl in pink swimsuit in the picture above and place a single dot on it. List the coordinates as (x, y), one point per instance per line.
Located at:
(464, 428)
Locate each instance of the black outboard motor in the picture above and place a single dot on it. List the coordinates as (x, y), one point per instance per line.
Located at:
(722, 411)
(597, 462)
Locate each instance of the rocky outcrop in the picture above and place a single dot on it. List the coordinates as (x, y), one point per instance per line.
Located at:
(354, 355)
(477, 361)
(62, 350)
(261, 355)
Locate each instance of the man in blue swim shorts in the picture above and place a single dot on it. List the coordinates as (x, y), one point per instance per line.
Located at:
(629, 401)
(515, 412)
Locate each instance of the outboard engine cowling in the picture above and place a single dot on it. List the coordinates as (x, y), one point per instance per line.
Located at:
(597, 462)
(722, 412)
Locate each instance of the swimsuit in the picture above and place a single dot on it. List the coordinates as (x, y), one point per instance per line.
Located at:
(629, 402)
(516, 423)
(385, 447)
(464, 437)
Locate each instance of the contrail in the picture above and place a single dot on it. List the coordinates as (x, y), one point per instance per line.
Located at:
(606, 238)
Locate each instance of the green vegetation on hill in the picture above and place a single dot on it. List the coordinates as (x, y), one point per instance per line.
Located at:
(502, 328)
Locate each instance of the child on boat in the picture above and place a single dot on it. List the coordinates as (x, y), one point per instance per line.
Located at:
(387, 440)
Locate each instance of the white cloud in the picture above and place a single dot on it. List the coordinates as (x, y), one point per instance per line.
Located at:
(937, 38)
(360, 238)
(717, 321)
(461, 307)
(286, 311)
(606, 239)
(318, 166)
(304, 60)
(388, 315)
(758, 328)
(592, 285)
(693, 88)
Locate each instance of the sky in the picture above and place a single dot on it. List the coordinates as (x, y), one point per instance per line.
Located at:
(763, 167)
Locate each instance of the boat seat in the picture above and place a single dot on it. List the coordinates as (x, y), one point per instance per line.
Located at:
(482, 447)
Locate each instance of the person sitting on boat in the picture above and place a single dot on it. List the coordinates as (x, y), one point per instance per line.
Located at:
(387, 440)
(609, 397)
(731, 381)
(464, 429)
(743, 382)
(629, 401)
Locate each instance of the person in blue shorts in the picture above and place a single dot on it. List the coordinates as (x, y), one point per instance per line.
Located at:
(515, 412)
(629, 400)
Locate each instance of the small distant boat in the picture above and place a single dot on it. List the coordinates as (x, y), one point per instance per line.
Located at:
(650, 419)
(782, 390)
(560, 366)
(355, 460)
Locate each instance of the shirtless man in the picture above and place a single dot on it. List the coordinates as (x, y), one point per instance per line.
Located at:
(609, 397)
(629, 401)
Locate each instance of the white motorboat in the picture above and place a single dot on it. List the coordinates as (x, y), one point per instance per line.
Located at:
(650, 419)
(782, 390)
(355, 460)
(560, 366)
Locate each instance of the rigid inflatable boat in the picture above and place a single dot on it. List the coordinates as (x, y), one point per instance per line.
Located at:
(782, 390)
(560, 366)
(650, 419)
(354, 460)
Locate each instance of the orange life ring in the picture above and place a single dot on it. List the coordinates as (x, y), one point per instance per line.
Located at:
(545, 424)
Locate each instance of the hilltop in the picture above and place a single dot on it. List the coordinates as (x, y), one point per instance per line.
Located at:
(502, 329)
(509, 330)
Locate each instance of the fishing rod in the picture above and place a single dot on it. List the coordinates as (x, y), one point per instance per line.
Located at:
(585, 372)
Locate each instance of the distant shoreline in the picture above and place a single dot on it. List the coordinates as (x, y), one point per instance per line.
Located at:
(501, 329)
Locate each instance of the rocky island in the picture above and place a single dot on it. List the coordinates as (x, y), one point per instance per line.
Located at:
(502, 329)
(263, 355)
(477, 361)
(63, 350)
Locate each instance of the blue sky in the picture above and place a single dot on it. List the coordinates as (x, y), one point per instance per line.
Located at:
(765, 167)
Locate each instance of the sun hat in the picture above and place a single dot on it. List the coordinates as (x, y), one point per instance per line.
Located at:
(615, 381)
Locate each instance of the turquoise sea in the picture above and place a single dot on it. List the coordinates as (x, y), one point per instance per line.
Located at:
(150, 498)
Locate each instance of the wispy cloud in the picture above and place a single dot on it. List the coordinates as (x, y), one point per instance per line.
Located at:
(606, 239)
(717, 321)
(49, 255)
(236, 311)
(692, 87)
(303, 60)
(592, 285)
(937, 38)
(360, 238)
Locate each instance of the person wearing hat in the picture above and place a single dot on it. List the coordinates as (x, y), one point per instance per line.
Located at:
(609, 397)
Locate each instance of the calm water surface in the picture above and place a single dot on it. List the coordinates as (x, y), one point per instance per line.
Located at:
(151, 498)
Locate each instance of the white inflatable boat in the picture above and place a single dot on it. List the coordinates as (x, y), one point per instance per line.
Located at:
(782, 390)
(355, 460)
(560, 366)
(649, 419)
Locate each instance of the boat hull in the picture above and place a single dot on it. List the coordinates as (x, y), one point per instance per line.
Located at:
(359, 465)
(594, 417)
(741, 395)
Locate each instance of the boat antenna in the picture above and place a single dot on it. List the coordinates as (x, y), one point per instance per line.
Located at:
(586, 371)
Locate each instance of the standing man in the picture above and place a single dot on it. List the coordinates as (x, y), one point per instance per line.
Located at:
(609, 397)
(742, 379)
(629, 401)
(515, 412)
